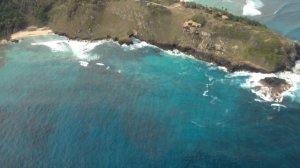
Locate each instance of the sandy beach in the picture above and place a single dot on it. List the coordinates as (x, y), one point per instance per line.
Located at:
(31, 31)
(2, 42)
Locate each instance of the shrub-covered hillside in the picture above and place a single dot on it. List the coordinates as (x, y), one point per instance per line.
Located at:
(17, 14)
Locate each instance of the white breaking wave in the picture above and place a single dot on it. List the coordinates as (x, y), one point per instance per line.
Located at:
(277, 105)
(137, 45)
(80, 49)
(83, 63)
(259, 100)
(55, 45)
(178, 53)
(252, 82)
(100, 64)
(251, 8)
(205, 93)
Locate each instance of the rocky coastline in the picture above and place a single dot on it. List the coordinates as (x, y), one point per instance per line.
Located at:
(230, 65)
(271, 87)
(208, 34)
(200, 55)
(211, 58)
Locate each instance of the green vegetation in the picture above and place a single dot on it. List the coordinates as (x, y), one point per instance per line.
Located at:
(242, 19)
(165, 2)
(192, 5)
(199, 18)
(156, 10)
(16, 14)
(217, 13)
(235, 32)
(269, 49)
(41, 15)
(40, 10)
(9, 12)
(10, 18)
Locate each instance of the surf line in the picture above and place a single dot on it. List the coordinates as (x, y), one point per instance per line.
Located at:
(251, 8)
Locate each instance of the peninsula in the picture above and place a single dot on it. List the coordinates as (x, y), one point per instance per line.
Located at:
(209, 34)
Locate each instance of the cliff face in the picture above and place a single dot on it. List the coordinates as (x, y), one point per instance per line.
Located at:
(208, 34)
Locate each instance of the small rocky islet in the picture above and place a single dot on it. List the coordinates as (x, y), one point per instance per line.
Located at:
(275, 87)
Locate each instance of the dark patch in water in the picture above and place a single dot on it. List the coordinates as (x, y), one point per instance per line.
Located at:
(39, 131)
(2, 61)
(146, 133)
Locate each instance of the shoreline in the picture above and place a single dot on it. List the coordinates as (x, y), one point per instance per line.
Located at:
(200, 55)
(211, 58)
(265, 91)
(231, 67)
(211, 37)
(29, 32)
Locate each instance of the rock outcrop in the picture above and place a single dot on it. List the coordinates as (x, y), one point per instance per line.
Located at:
(275, 87)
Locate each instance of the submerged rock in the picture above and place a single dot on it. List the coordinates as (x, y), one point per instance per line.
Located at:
(15, 41)
(2, 61)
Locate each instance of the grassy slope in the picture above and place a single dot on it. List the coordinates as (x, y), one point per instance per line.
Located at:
(87, 19)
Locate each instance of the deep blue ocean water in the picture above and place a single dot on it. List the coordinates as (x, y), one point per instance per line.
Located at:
(133, 106)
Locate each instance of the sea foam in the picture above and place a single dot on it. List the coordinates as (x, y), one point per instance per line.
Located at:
(100, 64)
(252, 79)
(83, 63)
(252, 82)
(54, 45)
(80, 49)
(251, 8)
(136, 45)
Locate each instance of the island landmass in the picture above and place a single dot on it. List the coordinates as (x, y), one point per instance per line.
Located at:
(209, 34)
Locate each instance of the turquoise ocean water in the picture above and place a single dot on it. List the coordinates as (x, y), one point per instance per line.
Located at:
(67, 103)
